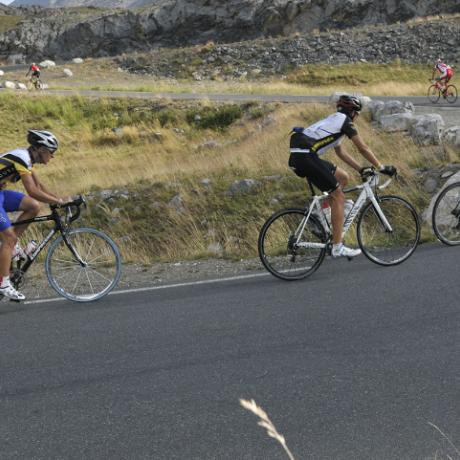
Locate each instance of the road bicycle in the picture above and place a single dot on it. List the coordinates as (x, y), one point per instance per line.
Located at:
(82, 264)
(449, 93)
(34, 83)
(293, 242)
(446, 215)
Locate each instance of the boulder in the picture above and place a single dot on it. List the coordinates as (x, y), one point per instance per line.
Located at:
(243, 186)
(46, 64)
(391, 108)
(428, 130)
(67, 73)
(9, 85)
(395, 122)
(451, 136)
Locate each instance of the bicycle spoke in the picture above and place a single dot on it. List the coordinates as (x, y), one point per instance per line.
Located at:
(91, 279)
(446, 215)
(278, 245)
(393, 245)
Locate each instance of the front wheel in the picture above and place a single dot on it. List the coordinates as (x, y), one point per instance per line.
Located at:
(93, 279)
(433, 93)
(451, 94)
(386, 246)
(446, 215)
(280, 244)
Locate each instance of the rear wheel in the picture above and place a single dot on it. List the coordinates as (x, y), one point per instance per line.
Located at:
(433, 93)
(280, 248)
(451, 95)
(446, 215)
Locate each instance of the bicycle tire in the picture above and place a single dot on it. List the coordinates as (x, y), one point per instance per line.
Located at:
(446, 224)
(451, 94)
(434, 94)
(39, 85)
(92, 281)
(276, 249)
(389, 248)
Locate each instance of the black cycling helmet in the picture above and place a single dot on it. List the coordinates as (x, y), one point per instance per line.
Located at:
(39, 138)
(346, 104)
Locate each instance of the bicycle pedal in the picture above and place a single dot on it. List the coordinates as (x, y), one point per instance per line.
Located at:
(15, 300)
(350, 259)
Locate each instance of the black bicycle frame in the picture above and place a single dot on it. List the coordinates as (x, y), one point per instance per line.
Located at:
(58, 227)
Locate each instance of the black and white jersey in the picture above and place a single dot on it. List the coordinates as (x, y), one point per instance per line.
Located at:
(324, 134)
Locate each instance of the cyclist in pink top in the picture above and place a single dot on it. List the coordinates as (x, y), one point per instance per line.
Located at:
(445, 71)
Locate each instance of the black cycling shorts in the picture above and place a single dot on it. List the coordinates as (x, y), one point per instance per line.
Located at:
(320, 172)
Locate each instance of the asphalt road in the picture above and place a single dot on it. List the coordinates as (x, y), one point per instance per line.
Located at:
(416, 100)
(352, 364)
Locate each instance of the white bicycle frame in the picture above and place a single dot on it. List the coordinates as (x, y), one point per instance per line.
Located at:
(366, 194)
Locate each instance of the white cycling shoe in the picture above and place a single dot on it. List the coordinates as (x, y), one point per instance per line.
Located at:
(345, 252)
(11, 293)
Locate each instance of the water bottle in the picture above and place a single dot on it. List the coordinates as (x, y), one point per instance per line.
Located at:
(30, 248)
(327, 212)
(347, 208)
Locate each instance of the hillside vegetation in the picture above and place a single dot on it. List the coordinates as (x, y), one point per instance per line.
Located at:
(164, 152)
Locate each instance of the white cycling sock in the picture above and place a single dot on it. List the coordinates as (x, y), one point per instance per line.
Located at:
(4, 281)
(336, 248)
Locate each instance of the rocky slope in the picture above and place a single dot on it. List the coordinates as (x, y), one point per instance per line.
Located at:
(56, 34)
(86, 3)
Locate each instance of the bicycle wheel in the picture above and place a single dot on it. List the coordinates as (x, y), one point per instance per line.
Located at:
(39, 85)
(433, 93)
(446, 215)
(451, 94)
(99, 274)
(382, 246)
(278, 250)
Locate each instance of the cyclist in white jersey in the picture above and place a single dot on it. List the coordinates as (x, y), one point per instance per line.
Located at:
(445, 71)
(308, 144)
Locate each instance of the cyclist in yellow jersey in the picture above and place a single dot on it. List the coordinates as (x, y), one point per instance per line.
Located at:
(19, 165)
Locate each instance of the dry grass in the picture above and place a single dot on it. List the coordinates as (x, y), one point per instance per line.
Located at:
(266, 423)
(94, 158)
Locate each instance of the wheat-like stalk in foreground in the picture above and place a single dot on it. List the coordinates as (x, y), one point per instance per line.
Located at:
(445, 436)
(266, 423)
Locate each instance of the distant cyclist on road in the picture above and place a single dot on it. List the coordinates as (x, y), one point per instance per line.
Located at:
(308, 144)
(35, 72)
(445, 71)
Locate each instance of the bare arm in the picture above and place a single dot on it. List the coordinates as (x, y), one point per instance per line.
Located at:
(35, 189)
(365, 151)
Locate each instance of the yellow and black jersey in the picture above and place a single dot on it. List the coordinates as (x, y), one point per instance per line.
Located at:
(13, 165)
(324, 134)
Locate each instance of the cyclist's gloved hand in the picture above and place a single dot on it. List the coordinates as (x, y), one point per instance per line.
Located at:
(387, 170)
(366, 171)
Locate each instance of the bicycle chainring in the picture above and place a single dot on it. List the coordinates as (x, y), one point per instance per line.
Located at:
(17, 278)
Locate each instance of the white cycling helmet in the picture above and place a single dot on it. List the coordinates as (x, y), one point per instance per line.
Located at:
(438, 61)
(38, 138)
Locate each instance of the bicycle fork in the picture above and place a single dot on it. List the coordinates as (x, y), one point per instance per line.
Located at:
(381, 216)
